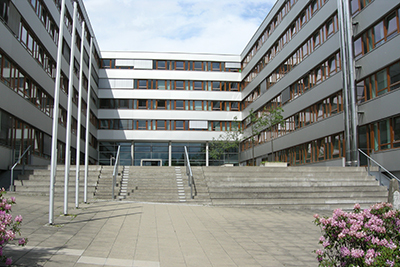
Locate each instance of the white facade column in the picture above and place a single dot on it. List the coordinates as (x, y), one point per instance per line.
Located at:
(207, 155)
(53, 168)
(87, 141)
(79, 114)
(170, 153)
(69, 110)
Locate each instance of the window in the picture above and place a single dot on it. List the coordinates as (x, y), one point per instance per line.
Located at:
(161, 65)
(216, 105)
(379, 34)
(391, 26)
(396, 132)
(316, 40)
(160, 125)
(142, 84)
(198, 65)
(179, 104)
(142, 124)
(329, 28)
(382, 83)
(358, 48)
(179, 85)
(384, 134)
(161, 104)
(142, 104)
(198, 105)
(179, 125)
(198, 85)
(394, 75)
(179, 65)
(216, 86)
(216, 66)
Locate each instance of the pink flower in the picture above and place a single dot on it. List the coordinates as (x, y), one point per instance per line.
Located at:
(319, 252)
(12, 199)
(316, 216)
(18, 218)
(357, 206)
(8, 261)
(357, 253)
(325, 243)
(322, 239)
(390, 263)
(22, 241)
(7, 206)
(344, 251)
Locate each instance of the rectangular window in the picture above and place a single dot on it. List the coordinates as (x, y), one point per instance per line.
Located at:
(394, 75)
(358, 48)
(216, 86)
(216, 66)
(384, 134)
(161, 104)
(198, 105)
(142, 124)
(396, 132)
(216, 105)
(391, 26)
(179, 125)
(198, 85)
(198, 65)
(142, 84)
(329, 27)
(179, 104)
(179, 65)
(382, 83)
(160, 125)
(161, 65)
(379, 34)
(142, 104)
(179, 85)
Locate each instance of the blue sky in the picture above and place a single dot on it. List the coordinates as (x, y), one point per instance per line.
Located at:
(197, 26)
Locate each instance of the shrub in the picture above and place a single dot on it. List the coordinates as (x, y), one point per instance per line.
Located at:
(8, 227)
(367, 237)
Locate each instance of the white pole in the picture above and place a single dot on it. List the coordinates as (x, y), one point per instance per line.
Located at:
(88, 123)
(69, 111)
(55, 115)
(78, 135)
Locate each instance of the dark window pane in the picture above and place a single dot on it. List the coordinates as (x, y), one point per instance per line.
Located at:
(394, 73)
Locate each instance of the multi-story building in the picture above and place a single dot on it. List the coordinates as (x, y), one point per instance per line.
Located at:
(154, 103)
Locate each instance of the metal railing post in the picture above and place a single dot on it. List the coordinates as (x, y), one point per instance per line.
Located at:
(115, 172)
(15, 165)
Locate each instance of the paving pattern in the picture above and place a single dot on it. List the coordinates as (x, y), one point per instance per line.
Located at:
(145, 235)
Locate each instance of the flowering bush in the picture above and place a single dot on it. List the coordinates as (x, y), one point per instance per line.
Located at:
(8, 227)
(367, 237)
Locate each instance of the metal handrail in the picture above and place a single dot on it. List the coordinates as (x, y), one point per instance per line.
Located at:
(15, 165)
(379, 165)
(189, 173)
(115, 172)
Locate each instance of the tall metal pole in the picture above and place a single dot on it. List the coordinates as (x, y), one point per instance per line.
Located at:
(78, 135)
(352, 85)
(88, 123)
(346, 41)
(55, 115)
(69, 111)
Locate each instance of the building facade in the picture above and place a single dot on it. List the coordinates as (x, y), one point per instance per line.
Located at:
(152, 104)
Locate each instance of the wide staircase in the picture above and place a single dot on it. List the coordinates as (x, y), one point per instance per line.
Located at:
(36, 181)
(291, 187)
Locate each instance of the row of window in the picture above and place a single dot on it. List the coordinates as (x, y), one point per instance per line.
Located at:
(379, 83)
(326, 148)
(23, 85)
(381, 135)
(169, 104)
(357, 5)
(378, 34)
(317, 112)
(175, 65)
(36, 49)
(44, 15)
(312, 43)
(268, 31)
(178, 125)
(186, 85)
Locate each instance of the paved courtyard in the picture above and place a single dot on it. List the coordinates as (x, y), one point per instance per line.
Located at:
(107, 233)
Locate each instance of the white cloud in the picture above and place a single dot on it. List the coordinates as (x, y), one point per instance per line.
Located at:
(201, 26)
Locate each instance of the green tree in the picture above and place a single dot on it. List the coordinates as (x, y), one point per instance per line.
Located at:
(260, 121)
(229, 140)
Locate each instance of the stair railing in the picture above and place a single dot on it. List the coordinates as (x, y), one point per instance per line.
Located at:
(115, 172)
(189, 173)
(15, 165)
(380, 167)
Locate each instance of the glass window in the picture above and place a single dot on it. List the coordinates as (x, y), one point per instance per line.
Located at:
(355, 7)
(216, 66)
(161, 65)
(216, 105)
(161, 104)
(142, 84)
(394, 74)
(391, 25)
(179, 104)
(198, 65)
(329, 27)
(198, 105)
(382, 83)
(179, 125)
(379, 34)
(142, 104)
(198, 85)
(141, 124)
(161, 85)
(179, 65)
(384, 134)
(396, 132)
(316, 40)
(160, 125)
(357, 48)
(179, 85)
(124, 103)
(216, 86)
